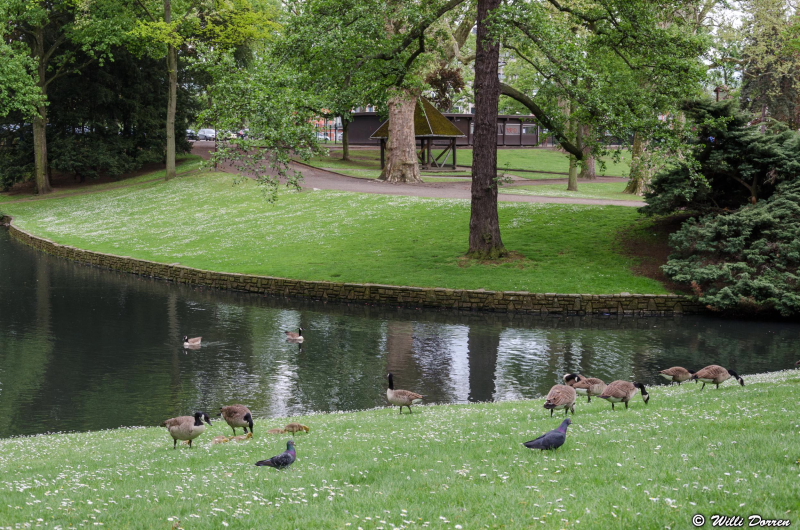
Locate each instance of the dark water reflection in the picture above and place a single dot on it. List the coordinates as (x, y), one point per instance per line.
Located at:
(83, 348)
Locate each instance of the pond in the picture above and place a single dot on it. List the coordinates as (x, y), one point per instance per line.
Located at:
(84, 349)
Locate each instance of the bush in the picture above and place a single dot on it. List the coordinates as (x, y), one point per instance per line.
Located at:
(733, 163)
(746, 261)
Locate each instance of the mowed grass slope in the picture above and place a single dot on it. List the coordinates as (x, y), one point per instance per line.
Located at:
(531, 159)
(730, 451)
(205, 221)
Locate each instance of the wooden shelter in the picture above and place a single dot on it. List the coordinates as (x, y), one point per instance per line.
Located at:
(430, 125)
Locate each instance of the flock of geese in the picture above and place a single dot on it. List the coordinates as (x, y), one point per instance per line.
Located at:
(561, 396)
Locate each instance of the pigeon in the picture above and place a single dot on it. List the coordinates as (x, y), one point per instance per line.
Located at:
(285, 459)
(551, 440)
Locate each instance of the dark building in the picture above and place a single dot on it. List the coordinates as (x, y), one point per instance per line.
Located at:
(512, 130)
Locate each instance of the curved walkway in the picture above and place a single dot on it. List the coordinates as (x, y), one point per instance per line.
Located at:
(329, 180)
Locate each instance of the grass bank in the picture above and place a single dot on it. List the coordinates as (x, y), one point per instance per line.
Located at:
(531, 159)
(586, 190)
(730, 451)
(185, 164)
(204, 221)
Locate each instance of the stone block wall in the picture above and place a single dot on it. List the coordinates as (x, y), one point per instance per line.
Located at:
(427, 297)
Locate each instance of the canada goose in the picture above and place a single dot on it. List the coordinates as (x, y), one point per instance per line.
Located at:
(186, 427)
(677, 374)
(194, 342)
(237, 416)
(296, 427)
(276, 431)
(550, 440)
(291, 336)
(623, 391)
(402, 398)
(715, 374)
(560, 397)
(241, 437)
(585, 386)
(285, 459)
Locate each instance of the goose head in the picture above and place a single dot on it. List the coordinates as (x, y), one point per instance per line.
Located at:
(734, 374)
(200, 417)
(645, 395)
(571, 378)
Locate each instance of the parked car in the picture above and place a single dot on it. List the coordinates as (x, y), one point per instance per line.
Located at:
(206, 134)
(323, 137)
(339, 136)
(191, 134)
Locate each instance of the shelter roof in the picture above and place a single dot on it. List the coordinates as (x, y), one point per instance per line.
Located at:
(428, 123)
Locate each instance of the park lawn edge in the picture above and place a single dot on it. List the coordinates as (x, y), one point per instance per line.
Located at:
(689, 451)
(192, 219)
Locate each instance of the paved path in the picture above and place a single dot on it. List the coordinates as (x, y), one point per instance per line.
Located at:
(328, 180)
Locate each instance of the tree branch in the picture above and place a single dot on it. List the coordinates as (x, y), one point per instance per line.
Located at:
(542, 118)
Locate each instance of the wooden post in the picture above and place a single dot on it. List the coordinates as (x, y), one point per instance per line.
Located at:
(383, 152)
(454, 152)
(428, 160)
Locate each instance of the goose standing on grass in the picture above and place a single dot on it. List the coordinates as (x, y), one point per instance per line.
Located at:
(237, 416)
(623, 391)
(402, 398)
(291, 336)
(186, 427)
(677, 374)
(585, 386)
(715, 374)
(285, 459)
(194, 342)
(560, 397)
(550, 440)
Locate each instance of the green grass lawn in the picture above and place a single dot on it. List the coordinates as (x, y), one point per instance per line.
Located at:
(426, 176)
(533, 159)
(586, 190)
(204, 221)
(730, 451)
(186, 163)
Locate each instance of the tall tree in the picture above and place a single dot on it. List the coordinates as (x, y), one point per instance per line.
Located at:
(485, 241)
(386, 48)
(173, 25)
(770, 64)
(608, 58)
(53, 31)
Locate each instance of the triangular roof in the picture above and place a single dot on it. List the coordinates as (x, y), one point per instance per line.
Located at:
(428, 123)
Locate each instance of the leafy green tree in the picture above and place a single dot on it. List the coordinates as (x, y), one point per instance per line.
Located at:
(53, 32)
(745, 261)
(270, 98)
(377, 50)
(171, 26)
(770, 65)
(603, 67)
(731, 163)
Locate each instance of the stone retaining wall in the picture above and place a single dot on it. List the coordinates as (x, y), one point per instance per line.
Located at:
(429, 297)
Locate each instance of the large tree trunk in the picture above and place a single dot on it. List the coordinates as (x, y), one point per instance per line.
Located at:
(401, 146)
(639, 172)
(172, 102)
(484, 224)
(588, 167)
(40, 150)
(345, 139)
(40, 120)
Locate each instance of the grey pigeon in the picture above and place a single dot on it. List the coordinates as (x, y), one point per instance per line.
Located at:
(551, 440)
(285, 459)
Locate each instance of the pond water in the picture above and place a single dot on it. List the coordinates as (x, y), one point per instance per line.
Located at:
(83, 349)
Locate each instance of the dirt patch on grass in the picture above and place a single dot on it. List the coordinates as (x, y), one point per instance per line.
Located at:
(513, 258)
(648, 243)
